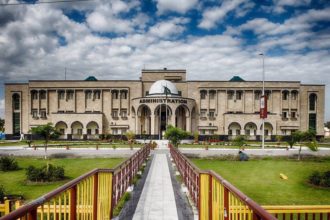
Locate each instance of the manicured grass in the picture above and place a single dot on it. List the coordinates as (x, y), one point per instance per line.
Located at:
(260, 180)
(15, 184)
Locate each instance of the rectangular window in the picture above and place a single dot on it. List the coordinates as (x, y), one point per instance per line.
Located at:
(114, 131)
(96, 131)
(212, 95)
(123, 113)
(69, 95)
(42, 95)
(35, 95)
(230, 132)
(203, 94)
(123, 95)
(61, 95)
(89, 95)
(238, 132)
(230, 95)
(115, 94)
(62, 131)
(34, 113)
(202, 131)
(257, 95)
(79, 131)
(43, 113)
(97, 95)
(89, 131)
(239, 95)
(312, 122)
(203, 113)
(115, 113)
(211, 131)
(293, 114)
(16, 122)
(211, 114)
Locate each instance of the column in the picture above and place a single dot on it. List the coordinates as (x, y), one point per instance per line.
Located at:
(188, 123)
(152, 124)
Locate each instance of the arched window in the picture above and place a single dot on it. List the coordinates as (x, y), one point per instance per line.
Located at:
(285, 95)
(212, 94)
(294, 95)
(312, 102)
(115, 94)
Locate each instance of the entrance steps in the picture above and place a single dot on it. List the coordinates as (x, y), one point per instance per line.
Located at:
(162, 144)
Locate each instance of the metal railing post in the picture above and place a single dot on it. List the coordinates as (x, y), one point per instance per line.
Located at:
(95, 195)
(210, 197)
(73, 203)
(226, 203)
(32, 215)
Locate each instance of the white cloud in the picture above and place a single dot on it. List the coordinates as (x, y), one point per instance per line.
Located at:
(215, 15)
(180, 6)
(170, 28)
(280, 5)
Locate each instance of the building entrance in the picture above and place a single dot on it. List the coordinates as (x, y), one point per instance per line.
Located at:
(162, 114)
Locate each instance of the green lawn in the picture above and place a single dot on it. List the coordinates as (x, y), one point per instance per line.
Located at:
(14, 181)
(260, 180)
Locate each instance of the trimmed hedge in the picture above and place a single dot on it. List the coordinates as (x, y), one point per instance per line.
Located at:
(8, 163)
(320, 179)
(47, 173)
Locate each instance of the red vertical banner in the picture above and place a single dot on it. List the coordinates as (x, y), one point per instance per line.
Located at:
(263, 107)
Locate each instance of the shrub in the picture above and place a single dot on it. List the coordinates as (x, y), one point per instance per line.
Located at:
(47, 173)
(2, 193)
(315, 178)
(121, 203)
(8, 163)
(320, 179)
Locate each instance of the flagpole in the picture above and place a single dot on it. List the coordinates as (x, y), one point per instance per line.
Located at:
(263, 95)
(166, 109)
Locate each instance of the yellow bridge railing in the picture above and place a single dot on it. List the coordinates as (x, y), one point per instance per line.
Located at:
(302, 212)
(91, 196)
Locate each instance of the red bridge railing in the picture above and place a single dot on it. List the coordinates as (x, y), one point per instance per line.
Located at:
(90, 196)
(215, 197)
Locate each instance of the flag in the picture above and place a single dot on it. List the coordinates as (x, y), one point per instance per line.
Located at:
(167, 90)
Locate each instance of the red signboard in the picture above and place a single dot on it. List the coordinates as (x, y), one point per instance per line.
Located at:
(263, 107)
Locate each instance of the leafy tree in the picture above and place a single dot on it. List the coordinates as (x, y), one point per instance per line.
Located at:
(130, 135)
(239, 140)
(327, 124)
(2, 124)
(47, 132)
(175, 135)
(196, 136)
(300, 137)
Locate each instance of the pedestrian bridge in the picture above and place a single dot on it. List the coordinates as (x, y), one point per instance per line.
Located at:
(94, 195)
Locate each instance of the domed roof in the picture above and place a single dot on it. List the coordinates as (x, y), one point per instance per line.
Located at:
(158, 88)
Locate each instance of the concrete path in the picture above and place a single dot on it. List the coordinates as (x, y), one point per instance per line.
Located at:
(214, 152)
(157, 200)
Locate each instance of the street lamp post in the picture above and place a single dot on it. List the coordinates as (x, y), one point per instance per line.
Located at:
(264, 99)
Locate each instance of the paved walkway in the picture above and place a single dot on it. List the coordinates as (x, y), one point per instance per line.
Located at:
(157, 200)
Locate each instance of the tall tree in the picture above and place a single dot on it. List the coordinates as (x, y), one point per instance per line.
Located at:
(47, 132)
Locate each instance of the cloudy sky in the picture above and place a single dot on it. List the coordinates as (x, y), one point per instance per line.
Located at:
(213, 40)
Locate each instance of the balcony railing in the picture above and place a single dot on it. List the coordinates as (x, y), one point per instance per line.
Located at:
(90, 196)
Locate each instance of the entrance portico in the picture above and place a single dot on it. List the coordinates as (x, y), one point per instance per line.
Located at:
(163, 106)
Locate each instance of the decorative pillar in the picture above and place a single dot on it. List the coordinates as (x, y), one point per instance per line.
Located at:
(152, 122)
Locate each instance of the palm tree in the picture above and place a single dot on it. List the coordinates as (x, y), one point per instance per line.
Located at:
(47, 132)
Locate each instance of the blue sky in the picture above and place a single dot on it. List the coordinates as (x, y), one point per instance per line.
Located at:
(213, 40)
